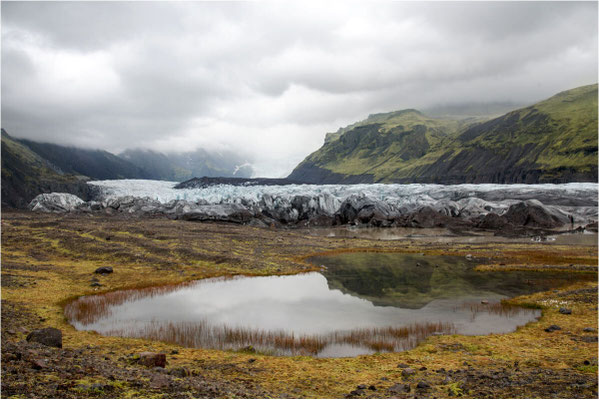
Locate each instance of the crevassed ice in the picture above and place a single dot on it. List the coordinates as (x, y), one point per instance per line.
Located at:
(574, 198)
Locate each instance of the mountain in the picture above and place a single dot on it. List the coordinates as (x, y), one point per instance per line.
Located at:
(184, 166)
(551, 141)
(95, 164)
(30, 168)
(25, 175)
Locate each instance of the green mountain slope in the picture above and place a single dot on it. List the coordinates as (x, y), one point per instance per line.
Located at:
(25, 175)
(552, 141)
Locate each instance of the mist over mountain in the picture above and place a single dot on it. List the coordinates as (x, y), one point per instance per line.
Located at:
(30, 168)
(183, 166)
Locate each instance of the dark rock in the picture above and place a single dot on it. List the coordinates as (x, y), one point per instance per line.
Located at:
(371, 387)
(400, 388)
(589, 330)
(179, 372)
(532, 213)
(408, 372)
(563, 310)
(47, 336)
(402, 365)
(552, 328)
(423, 385)
(38, 364)
(95, 284)
(423, 368)
(150, 359)
(361, 386)
(589, 339)
(252, 360)
(159, 382)
(104, 270)
(358, 392)
(493, 221)
(219, 212)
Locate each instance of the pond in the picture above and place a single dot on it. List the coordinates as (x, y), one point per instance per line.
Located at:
(361, 303)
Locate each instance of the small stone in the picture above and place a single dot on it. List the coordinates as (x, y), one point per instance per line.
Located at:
(552, 328)
(46, 336)
(468, 256)
(422, 368)
(484, 302)
(371, 387)
(402, 365)
(408, 372)
(589, 339)
(361, 386)
(589, 330)
(104, 270)
(95, 284)
(179, 372)
(566, 311)
(159, 381)
(423, 385)
(399, 388)
(174, 351)
(252, 360)
(38, 364)
(358, 392)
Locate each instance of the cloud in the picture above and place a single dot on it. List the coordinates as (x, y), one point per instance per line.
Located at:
(267, 80)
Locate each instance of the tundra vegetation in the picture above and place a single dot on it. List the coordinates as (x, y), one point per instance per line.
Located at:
(49, 260)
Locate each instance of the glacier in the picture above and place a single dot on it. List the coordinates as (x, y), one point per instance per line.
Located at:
(374, 204)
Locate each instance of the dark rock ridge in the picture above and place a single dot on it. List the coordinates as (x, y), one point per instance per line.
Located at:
(204, 182)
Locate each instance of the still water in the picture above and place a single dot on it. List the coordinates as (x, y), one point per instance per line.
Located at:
(361, 303)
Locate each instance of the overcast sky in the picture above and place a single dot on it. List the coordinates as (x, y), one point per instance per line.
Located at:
(268, 80)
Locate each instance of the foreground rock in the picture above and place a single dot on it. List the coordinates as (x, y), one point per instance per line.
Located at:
(47, 336)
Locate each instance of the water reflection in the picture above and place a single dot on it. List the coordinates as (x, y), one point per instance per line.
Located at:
(413, 281)
(368, 305)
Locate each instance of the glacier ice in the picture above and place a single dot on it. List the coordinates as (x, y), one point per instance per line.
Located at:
(289, 203)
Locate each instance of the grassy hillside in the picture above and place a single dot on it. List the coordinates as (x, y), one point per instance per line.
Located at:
(25, 175)
(552, 141)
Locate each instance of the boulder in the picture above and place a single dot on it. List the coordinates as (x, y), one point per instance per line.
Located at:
(152, 360)
(534, 214)
(55, 202)
(47, 336)
(104, 270)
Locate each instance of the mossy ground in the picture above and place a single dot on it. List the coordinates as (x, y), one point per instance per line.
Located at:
(48, 260)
